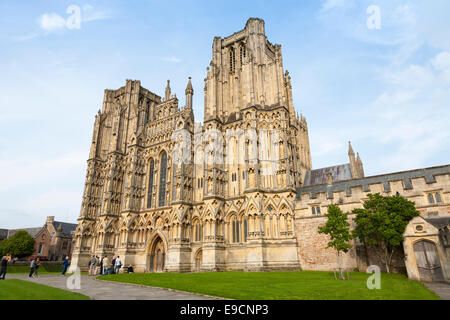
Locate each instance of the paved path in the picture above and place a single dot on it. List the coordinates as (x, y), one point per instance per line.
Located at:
(442, 289)
(105, 290)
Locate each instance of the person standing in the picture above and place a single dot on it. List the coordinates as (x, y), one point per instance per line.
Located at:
(101, 265)
(36, 267)
(118, 264)
(106, 265)
(92, 265)
(65, 265)
(113, 265)
(5, 261)
(32, 266)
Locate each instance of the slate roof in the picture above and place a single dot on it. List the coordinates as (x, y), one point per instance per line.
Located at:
(31, 231)
(405, 176)
(67, 228)
(439, 222)
(319, 176)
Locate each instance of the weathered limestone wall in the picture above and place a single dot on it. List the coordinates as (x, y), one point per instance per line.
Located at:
(415, 185)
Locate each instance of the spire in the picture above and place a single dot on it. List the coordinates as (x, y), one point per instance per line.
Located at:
(168, 90)
(189, 88)
(350, 150)
(360, 167)
(189, 93)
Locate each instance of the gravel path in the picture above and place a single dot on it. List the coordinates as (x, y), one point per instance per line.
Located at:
(106, 290)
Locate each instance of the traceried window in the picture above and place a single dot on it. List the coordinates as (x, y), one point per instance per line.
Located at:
(197, 231)
(235, 227)
(243, 53)
(147, 113)
(163, 180)
(232, 59)
(245, 229)
(150, 183)
(430, 198)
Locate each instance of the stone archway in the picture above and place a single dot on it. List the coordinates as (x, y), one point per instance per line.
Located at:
(198, 260)
(157, 255)
(428, 262)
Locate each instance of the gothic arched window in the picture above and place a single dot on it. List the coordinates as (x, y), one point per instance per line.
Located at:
(150, 183)
(235, 226)
(197, 231)
(232, 59)
(430, 198)
(162, 180)
(438, 197)
(245, 229)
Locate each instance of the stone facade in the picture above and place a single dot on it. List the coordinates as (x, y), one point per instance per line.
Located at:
(234, 193)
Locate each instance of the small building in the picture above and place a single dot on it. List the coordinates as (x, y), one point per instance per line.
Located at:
(427, 248)
(53, 241)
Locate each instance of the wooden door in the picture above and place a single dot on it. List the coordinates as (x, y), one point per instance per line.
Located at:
(428, 262)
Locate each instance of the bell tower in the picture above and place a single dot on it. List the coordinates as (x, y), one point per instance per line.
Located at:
(245, 70)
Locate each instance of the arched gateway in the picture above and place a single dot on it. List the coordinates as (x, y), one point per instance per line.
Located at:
(156, 255)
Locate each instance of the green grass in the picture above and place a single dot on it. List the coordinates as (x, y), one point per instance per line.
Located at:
(24, 290)
(43, 269)
(299, 285)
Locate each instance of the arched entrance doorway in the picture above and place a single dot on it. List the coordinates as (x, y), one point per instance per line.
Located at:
(428, 262)
(198, 260)
(157, 255)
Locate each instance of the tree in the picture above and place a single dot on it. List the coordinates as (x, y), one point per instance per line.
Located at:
(382, 223)
(21, 244)
(338, 229)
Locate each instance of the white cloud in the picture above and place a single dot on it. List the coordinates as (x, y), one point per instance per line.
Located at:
(442, 61)
(413, 113)
(51, 22)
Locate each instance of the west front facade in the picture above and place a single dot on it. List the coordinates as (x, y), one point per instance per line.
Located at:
(236, 192)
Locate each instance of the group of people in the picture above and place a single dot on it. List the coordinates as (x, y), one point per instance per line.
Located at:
(104, 265)
(96, 266)
(34, 266)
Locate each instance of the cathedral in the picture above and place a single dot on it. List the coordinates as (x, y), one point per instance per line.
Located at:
(236, 192)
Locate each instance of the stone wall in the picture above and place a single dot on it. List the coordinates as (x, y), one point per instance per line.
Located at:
(415, 185)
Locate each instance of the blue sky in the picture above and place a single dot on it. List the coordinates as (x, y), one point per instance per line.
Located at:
(387, 90)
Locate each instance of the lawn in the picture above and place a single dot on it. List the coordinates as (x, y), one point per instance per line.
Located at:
(299, 285)
(43, 269)
(24, 290)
